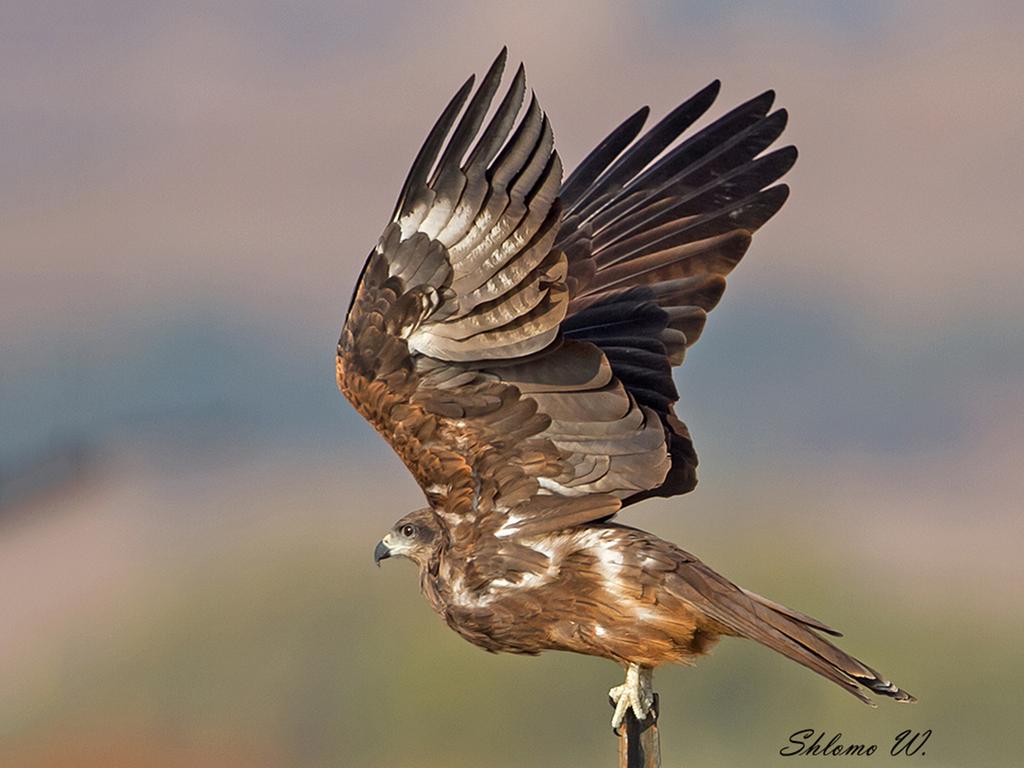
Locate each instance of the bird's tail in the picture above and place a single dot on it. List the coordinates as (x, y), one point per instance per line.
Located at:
(797, 636)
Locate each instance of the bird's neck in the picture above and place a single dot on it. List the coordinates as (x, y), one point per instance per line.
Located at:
(430, 584)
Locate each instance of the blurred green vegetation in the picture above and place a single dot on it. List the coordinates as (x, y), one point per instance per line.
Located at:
(292, 650)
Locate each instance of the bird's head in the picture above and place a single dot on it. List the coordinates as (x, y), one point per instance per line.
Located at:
(414, 536)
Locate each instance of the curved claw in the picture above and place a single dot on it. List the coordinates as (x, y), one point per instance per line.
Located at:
(636, 693)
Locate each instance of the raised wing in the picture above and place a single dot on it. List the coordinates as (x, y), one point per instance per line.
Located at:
(518, 359)
(651, 236)
(451, 348)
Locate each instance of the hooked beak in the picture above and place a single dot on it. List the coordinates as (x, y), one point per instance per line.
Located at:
(381, 552)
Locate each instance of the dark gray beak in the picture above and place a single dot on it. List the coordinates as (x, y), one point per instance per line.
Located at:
(381, 552)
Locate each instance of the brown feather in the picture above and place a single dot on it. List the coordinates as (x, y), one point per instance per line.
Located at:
(513, 340)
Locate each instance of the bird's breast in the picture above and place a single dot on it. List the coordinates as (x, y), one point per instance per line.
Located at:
(597, 595)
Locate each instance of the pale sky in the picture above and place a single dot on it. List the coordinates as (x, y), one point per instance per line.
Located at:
(187, 192)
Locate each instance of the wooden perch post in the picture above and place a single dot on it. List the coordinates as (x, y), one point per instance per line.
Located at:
(639, 745)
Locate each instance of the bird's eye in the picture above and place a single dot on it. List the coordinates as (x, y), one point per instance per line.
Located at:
(408, 531)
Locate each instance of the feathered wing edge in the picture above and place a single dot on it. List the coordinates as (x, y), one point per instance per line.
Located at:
(465, 276)
(648, 231)
(652, 227)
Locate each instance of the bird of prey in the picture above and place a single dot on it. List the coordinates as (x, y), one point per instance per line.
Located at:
(512, 336)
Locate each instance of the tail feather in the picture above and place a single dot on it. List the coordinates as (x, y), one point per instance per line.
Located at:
(802, 618)
(807, 647)
(791, 633)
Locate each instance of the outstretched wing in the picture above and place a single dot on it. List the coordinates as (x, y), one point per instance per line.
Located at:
(650, 241)
(451, 348)
(518, 359)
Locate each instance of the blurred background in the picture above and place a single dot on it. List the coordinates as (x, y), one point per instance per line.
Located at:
(188, 507)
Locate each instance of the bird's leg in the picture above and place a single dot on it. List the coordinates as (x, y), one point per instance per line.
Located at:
(636, 693)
